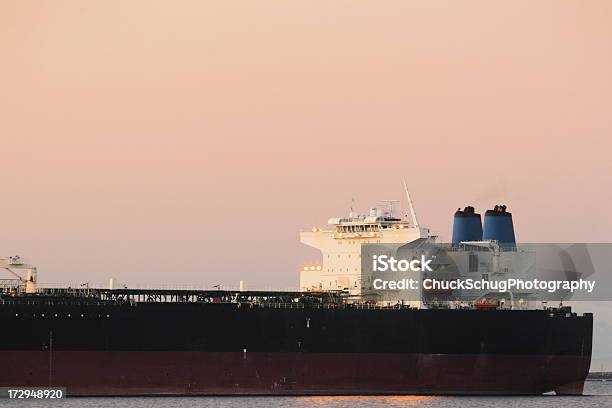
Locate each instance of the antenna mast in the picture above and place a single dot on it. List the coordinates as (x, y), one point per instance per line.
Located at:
(415, 221)
(390, 204)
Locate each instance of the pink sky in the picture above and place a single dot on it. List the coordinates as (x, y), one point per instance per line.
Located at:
(189, 142)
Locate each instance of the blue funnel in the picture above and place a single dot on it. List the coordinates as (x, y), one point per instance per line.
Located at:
(466, 226)
(498, 226)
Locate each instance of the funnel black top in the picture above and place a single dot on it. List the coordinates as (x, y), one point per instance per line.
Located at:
(499, 210)
(466, 212)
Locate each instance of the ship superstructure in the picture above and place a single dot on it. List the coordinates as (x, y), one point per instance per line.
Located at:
(340, 245)
(487, 253)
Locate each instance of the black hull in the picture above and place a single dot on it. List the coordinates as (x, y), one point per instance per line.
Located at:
(224, 349)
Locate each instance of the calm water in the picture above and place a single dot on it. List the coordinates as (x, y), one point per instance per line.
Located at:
(599, 395)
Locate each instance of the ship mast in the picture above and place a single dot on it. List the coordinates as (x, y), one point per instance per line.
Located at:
(414, 221)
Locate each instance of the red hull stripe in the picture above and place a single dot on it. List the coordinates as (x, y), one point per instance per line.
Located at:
(214, 373)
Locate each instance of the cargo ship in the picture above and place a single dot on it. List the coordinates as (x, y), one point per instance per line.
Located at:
(337, 335)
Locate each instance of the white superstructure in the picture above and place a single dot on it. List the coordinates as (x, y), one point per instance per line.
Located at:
(15, 262)
(340, 245)
(380, 232)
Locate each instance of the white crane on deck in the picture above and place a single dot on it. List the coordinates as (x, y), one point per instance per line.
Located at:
(14, 262)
